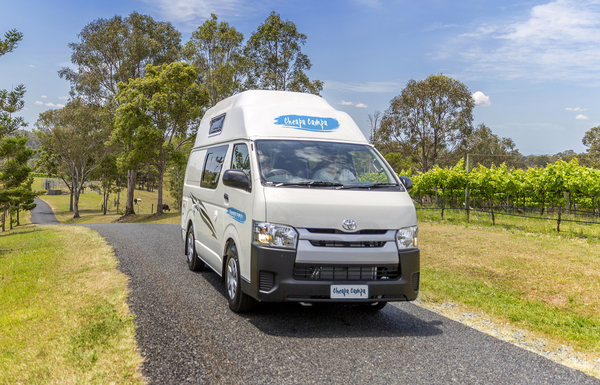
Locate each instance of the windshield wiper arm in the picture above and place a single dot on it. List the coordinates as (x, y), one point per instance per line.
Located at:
(312, 184)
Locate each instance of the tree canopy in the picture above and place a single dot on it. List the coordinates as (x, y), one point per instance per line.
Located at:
(10, 41)
(429, 119)
(277, 61)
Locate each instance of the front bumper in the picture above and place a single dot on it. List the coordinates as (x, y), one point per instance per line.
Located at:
(272, 279)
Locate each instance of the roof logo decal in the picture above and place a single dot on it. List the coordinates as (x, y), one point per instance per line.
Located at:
(308, 123)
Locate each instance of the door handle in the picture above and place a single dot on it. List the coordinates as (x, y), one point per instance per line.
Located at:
(226, 197)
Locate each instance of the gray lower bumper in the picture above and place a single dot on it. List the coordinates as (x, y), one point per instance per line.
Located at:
(273, 280)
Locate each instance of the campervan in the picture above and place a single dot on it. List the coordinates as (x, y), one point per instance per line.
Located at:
(286, 200)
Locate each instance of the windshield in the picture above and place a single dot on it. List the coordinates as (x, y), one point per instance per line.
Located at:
(322, 164)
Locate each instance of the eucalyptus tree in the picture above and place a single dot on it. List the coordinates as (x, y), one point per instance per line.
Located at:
(216, 50)
(429, 118)
(115, 50)
(488, 148)
(276, 58)
(76, 135)
(161, 112)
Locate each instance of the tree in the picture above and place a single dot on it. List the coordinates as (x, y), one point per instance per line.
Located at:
(430, 118)
(177, 167)
(76, 135)
(277, 61)
(10, 103)
(15, 180)
(157, 113)
(489, 149)
(374, 121)
(216, 50)
(116, 50)
(10, 42)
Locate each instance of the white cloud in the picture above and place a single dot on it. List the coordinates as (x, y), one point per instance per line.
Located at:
(581, 117)
(54, 105)
(575, 109)
(358, 105)
(63, 98)
(481, 99)
(38, 103)
(32, 66)
(44, 96)
(192, 13)
(559, 40)
(375, 87)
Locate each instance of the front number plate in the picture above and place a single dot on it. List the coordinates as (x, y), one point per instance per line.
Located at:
(349, 292)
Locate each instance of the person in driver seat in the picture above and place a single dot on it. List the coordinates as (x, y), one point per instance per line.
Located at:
(334, 170)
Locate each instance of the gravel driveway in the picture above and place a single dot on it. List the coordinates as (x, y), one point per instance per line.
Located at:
(187, 334)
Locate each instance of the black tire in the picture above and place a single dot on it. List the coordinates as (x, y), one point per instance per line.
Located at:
(239, 301)
(194, 262)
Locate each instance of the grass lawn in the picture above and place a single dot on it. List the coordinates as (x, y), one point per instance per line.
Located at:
(543, 282)
(90, 204)
(63, 315)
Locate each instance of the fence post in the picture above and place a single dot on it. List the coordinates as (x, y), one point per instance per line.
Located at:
(467, 190)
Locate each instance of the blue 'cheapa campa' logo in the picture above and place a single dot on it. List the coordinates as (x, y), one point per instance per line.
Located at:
(236, 214)
(308, 123)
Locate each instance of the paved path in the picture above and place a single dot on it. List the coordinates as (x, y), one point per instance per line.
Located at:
(42, 214)
(188, 335)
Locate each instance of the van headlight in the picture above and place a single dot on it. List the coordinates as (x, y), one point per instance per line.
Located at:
(406, 237)
(272, 235)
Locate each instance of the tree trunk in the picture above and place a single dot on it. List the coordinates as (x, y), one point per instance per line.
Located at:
(159, 207)
(131, 179)
(71, 200)
(77, 191)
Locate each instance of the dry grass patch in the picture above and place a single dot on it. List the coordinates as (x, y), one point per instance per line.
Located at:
(63, 312)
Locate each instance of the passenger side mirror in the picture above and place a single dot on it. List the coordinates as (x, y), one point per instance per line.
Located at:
(237, 179)
(407, 182)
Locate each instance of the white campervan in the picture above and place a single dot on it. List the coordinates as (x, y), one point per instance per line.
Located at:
(287, 201)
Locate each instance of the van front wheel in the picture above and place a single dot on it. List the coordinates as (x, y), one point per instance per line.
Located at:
(239, 301)
(194, 262)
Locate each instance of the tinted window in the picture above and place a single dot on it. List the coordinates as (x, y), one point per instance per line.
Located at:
(241, 159)
(213, 163)
(216, 125)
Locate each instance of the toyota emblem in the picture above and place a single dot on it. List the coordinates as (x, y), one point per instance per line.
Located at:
(349, 224)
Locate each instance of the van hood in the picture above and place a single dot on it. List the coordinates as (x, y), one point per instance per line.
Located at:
(327, 208)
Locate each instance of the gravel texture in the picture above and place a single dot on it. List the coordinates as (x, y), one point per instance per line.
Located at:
(188, 335)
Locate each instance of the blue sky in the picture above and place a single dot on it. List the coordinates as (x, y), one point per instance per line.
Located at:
(533, 66)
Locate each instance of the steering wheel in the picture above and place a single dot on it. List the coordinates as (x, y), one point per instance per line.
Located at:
(277, 172)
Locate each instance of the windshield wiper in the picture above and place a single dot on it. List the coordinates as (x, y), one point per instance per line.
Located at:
(370, 185)
(312, 184)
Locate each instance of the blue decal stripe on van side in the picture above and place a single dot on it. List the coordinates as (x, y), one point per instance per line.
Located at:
(308, 123)
(236, 214)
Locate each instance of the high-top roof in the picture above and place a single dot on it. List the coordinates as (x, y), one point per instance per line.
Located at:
(276, 115)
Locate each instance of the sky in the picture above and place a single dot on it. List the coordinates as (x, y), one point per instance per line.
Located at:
(533, 67)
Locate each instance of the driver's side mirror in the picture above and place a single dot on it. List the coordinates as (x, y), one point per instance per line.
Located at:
(407, 182)
(237, 179)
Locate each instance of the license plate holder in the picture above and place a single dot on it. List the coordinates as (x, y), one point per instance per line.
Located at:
(349, 291)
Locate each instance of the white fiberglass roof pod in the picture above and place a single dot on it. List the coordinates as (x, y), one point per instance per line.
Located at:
(276, 115)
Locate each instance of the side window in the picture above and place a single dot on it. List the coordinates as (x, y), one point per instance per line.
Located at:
(241, 159)
(213, 163)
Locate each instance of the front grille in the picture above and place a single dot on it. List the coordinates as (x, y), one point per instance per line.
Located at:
(335, 231)
(266, 280)
(347, 244)
(344, 273)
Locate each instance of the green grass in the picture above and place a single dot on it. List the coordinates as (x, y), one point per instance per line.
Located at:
(522, 273)
(63, 317)
(90, 207)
